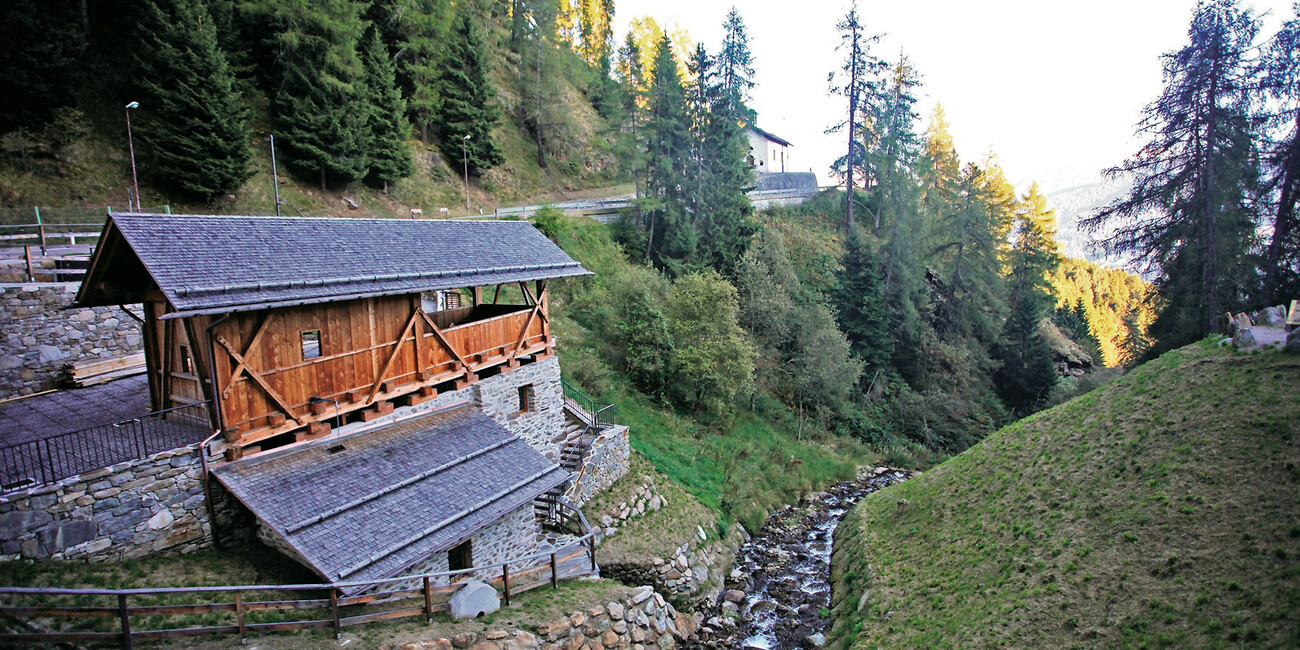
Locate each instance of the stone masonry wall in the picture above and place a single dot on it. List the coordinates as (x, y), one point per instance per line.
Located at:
(512, 536)
(541, 425)
(642, 621)
(607, 462)
(38, 337)
(129, 510)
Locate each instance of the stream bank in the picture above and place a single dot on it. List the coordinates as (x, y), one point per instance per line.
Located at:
(777, 596)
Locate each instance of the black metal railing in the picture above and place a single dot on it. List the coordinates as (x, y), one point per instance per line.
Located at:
(45, 460)
(598, 414)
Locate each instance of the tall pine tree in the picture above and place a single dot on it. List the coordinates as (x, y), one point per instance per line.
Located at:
(857, 84)
(390, 158)
(319, 111)
(670, 235)
(467, 112)
(1280, 69)
(193, 129)
(1189, 217)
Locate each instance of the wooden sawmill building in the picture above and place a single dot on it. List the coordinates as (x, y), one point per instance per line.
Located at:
(293, 329)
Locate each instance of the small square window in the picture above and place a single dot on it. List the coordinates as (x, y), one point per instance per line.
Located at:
(526, 398)
(461, 556)
(310, 344)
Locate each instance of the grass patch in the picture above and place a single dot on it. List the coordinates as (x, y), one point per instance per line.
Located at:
(1149, 513)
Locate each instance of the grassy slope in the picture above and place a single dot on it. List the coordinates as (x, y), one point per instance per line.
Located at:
(1162, 510)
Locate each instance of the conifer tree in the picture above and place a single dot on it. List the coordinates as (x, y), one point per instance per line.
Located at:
(194, 128)
(319, 112)
(857, 84)
(1028, 372)
(414, 31)
(467, 107)
(43, 44)
(671, 237)
(861, 302)
(1281, 83)
(390, 158)
(736, 68)
(1189, 216)
(632, 80)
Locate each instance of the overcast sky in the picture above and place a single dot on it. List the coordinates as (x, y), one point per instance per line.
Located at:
(1053, 88)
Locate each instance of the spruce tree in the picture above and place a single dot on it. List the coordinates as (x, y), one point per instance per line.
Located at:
(861, 302)
(1189, 217)
(671, 236)
(414, 31)
(736, 68)
(1028, 372)
(467, 112)
(1280, 70)
(40, 61)
(193, 126)
(390, 158)
(319, 109)
(858, 85)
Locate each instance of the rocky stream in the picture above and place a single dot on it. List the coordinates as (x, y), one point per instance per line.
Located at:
(778, 593)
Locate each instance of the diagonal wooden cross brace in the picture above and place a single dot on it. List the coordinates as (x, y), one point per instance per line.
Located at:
(397, 349)
(243, 365)
(252, 374)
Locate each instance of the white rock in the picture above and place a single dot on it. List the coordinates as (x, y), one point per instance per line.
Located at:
(161, 520)
(474, 599)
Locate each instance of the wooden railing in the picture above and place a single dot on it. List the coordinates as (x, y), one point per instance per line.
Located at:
(129, 606)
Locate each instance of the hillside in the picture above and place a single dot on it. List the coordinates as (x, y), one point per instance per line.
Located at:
(1159, 511)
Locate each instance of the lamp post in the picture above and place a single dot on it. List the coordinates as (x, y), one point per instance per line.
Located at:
(464, 157)
(275, 175)
(131, 147)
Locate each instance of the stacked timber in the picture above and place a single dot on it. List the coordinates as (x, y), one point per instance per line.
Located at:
(98, 371)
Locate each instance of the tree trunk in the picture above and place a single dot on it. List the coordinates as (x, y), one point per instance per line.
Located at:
(1284, 222)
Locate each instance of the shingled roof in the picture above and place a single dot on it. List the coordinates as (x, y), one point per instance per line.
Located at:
(391, 497)
(213, 264)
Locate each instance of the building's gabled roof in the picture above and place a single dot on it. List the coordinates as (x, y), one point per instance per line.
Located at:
(391, 497)
(213, 264)
(781, 141)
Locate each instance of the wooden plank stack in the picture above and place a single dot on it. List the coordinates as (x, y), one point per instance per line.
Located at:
(98, 371)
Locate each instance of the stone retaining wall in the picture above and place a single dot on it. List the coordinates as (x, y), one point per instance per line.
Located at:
(38, 337)
(607, 461)
(642, 621)
(129, 510)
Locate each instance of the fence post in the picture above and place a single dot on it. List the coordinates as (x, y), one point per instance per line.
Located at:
(40, 227)
(505, 580)
(428, 601)
(126, 621)
(591, 551)
(239, 617)
(555, 573)
(334, 610)
(27, 251)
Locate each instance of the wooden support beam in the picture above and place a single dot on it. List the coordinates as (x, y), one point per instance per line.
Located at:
(397, 349)
(270, 392)
(442, 339)
(257, 336)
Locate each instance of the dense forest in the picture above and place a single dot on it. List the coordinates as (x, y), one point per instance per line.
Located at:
(915, 309)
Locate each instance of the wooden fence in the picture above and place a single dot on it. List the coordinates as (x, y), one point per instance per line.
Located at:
(327, 603)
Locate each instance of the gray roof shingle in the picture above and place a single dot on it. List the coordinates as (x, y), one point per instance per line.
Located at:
(223, 263)
(393, 496)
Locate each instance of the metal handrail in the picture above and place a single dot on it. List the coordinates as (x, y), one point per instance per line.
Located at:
(593, 410)
(36, 462)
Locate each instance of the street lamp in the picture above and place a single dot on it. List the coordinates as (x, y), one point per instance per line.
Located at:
(464, 157)
(131, 147)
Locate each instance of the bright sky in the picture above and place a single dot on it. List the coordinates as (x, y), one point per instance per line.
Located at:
(1053, 88)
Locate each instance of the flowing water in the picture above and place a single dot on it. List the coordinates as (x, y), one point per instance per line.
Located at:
(784, 571)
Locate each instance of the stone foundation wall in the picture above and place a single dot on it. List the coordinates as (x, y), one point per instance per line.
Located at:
(129, 510)
(541, 425)
(38, 338)
(607, 462)
(642, 621)
(498, 397)
(514, 535)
